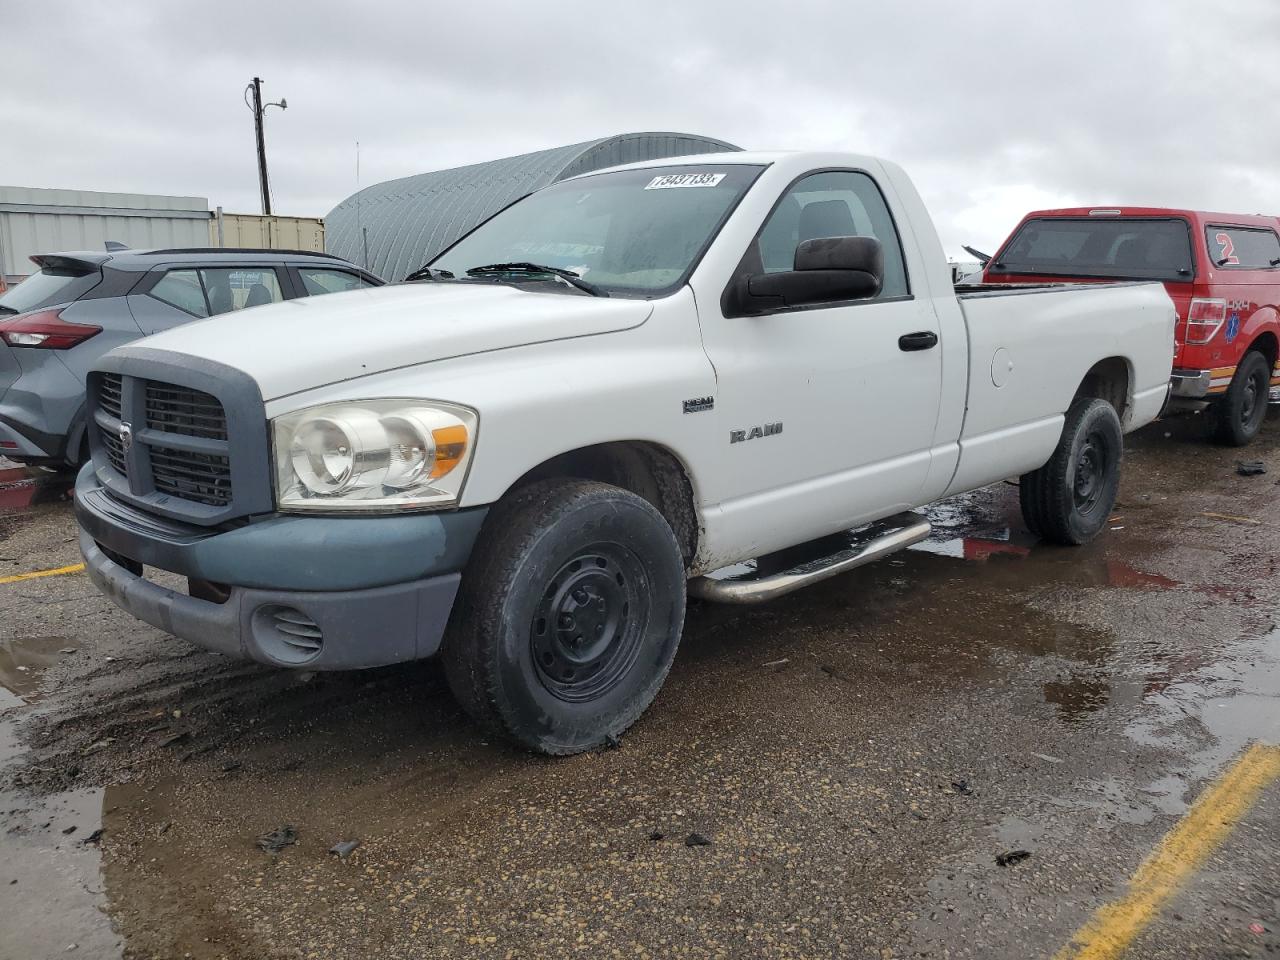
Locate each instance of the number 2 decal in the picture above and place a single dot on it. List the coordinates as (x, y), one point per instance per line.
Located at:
(1228, 257)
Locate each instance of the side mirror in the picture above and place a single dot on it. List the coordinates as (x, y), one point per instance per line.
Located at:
(827, 270)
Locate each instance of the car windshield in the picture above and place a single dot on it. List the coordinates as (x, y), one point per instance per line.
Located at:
(1122, 248)
(628, 233)
(44, 289)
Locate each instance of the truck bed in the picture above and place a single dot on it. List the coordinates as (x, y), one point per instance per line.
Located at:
(970, 291)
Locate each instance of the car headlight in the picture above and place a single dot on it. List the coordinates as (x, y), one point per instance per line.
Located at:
(372, 455)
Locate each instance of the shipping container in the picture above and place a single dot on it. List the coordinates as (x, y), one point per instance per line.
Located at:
(266, 232)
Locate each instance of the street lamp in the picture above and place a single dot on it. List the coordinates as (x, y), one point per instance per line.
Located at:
(257, 106)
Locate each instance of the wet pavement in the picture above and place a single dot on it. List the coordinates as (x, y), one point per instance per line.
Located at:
(962, 751)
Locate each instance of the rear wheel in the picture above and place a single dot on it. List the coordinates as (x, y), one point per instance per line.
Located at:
(1239, 414)
(1069, 499)
(569, 615)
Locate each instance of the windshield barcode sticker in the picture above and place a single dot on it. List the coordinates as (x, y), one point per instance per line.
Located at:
(669, 180)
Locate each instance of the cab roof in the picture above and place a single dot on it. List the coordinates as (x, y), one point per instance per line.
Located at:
(1118, 212)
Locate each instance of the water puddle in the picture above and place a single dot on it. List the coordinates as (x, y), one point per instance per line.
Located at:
(52, 899)
(23, 662)
(1210, 714)
(51, 889)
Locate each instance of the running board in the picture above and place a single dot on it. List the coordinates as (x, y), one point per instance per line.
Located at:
(773, 575)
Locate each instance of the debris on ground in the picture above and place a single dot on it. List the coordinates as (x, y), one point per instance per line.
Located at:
(962, 787)
(278, 839)
(93, 837)
(776, 665)
(1011, 857)
(1046, 758)
(343, 848)
(69, 830)
(1257, 928)
(1250, 468)
(1231, 517)
(696, 840)
(175, 738)
(656, 835)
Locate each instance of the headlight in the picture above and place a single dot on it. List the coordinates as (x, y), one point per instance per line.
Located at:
(372, 455)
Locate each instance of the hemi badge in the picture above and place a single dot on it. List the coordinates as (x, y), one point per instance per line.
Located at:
(698, 404)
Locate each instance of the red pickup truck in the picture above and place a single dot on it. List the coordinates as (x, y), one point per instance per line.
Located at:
(1221, 270)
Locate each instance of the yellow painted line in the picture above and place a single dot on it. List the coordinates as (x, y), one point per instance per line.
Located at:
(37, 574)
(1182, 851)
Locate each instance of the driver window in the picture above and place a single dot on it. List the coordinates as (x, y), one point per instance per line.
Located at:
(835, 204)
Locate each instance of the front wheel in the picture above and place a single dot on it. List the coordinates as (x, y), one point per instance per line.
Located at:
(1069, 499)
(1239, 414)
(569, 615)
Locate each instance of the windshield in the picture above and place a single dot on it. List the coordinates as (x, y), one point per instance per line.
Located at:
(1126, 249)
(629, 233)
(44, 289)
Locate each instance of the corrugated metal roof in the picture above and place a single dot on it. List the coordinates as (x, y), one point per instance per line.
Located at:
(410, 220)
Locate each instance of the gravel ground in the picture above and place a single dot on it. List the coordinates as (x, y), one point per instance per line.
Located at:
(834, 774)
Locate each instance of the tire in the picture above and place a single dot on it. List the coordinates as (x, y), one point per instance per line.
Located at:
(1070, 498)
(1239, 414)
(559, 561)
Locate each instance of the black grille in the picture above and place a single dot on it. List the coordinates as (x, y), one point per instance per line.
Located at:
(115, 451)
(183, 440)
(109, 394)
(202, 477)
(182, 410)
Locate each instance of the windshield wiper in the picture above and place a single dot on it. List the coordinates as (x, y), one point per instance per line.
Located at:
(429, 273)
(568, 276)
(4, 309)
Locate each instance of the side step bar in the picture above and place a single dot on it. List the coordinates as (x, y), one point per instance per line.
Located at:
(773, 575)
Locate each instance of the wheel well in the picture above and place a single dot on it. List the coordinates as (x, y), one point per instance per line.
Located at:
(1108, 380)
(646, 469)
(1268, 346)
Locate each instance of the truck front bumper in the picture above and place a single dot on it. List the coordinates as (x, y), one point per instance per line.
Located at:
(1190, 384)
(320, 593)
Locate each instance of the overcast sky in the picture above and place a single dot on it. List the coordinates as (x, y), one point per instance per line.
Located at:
(993, 108)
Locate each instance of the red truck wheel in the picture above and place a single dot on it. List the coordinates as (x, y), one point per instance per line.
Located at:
(1239, 414)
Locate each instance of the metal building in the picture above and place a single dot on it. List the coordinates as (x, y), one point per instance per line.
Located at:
(38, 220)
(392, 228)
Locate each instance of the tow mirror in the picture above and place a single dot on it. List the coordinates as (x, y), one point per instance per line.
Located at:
(827, 270)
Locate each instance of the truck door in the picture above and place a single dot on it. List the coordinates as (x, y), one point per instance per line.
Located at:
(828, 410)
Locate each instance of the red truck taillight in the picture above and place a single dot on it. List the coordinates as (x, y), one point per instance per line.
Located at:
(45, 330)
(1205, 317)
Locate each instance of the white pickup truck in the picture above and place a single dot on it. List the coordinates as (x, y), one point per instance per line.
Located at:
(633, 384)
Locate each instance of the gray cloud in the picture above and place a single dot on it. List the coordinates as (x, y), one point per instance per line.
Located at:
(992, 107)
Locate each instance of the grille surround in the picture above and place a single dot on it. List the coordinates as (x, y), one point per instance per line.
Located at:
(180, 437)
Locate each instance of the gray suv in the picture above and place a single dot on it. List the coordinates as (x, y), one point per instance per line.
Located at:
(59, 321)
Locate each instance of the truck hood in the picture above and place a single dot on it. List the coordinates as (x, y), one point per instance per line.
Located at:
(314, 341)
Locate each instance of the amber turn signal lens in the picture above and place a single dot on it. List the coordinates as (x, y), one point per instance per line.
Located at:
(451, 444)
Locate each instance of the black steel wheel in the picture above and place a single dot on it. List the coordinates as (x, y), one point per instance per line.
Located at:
(568, 616)
(587, 627)
(1238, 415)
(1069, 499)
(1091, 472)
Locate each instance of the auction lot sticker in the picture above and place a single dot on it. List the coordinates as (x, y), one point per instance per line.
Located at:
(667, 181)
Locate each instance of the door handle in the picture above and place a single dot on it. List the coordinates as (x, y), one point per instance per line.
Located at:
(918, 341)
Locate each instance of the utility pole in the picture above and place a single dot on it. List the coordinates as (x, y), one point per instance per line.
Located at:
(258, 108)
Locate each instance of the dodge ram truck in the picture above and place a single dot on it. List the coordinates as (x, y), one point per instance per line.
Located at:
(726, 376)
